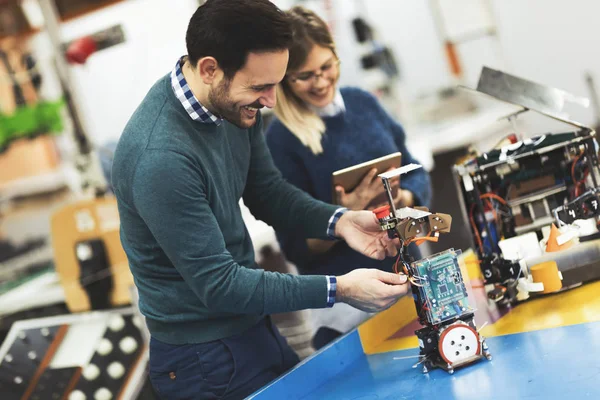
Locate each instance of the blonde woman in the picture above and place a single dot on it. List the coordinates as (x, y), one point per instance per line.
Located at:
(319, 129)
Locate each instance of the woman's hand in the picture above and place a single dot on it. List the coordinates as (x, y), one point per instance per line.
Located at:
(359, 198)
(404, 198)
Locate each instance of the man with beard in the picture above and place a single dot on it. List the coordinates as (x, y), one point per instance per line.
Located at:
(190, 151)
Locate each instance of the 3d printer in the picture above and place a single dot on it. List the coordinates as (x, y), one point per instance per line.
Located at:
(449, 338)
(519, 196)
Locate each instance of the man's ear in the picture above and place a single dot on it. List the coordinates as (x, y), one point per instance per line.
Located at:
(208, 67)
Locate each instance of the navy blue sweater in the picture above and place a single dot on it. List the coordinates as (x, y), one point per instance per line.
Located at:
(363, 132)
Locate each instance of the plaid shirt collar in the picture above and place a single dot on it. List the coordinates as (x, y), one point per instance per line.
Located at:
(184, 94)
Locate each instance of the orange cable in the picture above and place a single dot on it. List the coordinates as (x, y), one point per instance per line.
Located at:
(493, 196)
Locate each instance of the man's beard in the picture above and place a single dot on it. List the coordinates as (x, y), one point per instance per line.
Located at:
(224, 107)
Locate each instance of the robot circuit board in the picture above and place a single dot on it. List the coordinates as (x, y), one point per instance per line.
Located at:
(441, 288)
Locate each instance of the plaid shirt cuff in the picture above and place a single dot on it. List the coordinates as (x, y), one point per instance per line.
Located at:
(331, 290)
(333, 220)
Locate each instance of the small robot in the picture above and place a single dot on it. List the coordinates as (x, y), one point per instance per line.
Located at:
(449, 338)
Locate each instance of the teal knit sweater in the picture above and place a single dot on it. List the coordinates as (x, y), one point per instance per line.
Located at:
(178, 183)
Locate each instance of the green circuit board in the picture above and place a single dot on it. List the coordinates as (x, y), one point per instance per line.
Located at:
(443, 294)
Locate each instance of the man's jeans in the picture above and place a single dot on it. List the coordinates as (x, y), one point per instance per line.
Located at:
(230, 368)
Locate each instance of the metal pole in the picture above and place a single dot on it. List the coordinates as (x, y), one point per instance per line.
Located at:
(86, 160)
(388, 191)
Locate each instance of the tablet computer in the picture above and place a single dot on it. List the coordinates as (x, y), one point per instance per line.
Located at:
(350, 177)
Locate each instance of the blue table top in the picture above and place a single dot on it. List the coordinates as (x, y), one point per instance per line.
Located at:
(557, 363)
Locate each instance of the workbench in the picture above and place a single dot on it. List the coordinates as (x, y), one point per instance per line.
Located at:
(544, 348)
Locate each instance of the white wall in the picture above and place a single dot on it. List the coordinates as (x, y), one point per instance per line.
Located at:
(113, 82)
(549, 41)
(552, 42)
(407, 27)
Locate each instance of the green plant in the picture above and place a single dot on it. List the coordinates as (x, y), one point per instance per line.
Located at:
(30, 121)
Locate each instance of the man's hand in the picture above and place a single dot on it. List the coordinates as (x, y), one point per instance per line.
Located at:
(362, 232)
(370, 290)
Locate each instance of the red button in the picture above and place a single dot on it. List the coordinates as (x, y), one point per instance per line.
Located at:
(382, 212)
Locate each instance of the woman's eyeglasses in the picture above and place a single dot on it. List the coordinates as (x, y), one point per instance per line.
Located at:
(313, 76)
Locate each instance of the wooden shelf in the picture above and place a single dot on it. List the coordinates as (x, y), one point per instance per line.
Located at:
(68, 10)
(71, 9)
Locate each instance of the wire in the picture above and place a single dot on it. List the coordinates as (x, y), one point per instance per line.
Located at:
(475, 230)
(482, 326)
(419, 241)
(489, 197)
(405, 267)
(411, 279)
(495, 197)
(577, 183)
(407, 357)
(423, 360)
(405, 271)
(418, 280)
(574, 164)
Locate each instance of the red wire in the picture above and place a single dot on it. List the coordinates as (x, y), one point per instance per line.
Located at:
(585, 174)
(475, 230)
(573, 166)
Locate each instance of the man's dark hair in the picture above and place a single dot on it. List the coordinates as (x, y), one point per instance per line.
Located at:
(230, 29)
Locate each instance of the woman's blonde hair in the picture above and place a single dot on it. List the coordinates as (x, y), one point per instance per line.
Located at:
(309, 30)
